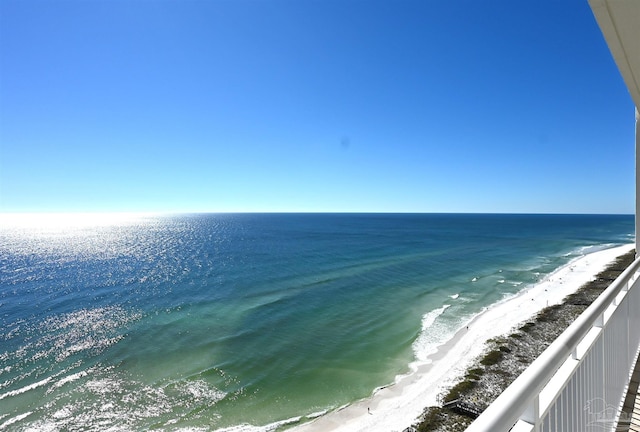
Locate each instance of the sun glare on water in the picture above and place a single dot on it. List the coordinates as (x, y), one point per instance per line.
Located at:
(67, 221)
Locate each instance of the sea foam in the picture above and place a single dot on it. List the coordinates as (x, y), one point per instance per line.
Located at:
(429, 338)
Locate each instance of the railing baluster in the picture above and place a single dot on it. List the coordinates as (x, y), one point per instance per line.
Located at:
(595, 369)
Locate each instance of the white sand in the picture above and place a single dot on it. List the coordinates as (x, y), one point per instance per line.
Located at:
(398, 406)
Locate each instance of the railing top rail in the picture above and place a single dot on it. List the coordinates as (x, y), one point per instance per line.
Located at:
(508, 408)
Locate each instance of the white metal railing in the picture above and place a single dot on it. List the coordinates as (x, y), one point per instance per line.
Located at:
(580, 381)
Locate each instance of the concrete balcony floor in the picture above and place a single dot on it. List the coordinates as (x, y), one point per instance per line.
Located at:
(630, 416)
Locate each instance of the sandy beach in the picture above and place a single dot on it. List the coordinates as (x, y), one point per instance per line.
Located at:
(398, 406)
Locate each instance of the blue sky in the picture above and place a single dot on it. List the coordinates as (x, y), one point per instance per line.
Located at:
(311, 105)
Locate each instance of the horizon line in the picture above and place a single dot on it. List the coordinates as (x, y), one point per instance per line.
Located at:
(194, 212)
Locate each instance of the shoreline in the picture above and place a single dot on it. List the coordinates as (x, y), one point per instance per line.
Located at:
(400, 404)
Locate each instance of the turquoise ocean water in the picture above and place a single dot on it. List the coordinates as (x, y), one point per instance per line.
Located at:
(206, 322)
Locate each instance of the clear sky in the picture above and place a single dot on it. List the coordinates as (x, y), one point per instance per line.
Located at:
(311, 105)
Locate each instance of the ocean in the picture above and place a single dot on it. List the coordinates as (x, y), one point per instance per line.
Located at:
(255, 322)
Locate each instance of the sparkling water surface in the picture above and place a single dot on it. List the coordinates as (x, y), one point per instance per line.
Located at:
(205, 321)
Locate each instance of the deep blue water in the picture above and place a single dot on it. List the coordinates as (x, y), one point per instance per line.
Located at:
(201, 322)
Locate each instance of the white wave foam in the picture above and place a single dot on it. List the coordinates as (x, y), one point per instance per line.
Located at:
(26, 388)
(427, 341)
(430, 317)
(454, 296)
(585, 250)
(200, 390)
(63, 413)
(73, 377)
(15, 419)
(316, 414)
(267, 428)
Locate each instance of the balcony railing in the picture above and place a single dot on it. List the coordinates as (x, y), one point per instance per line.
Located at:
(580, 381)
